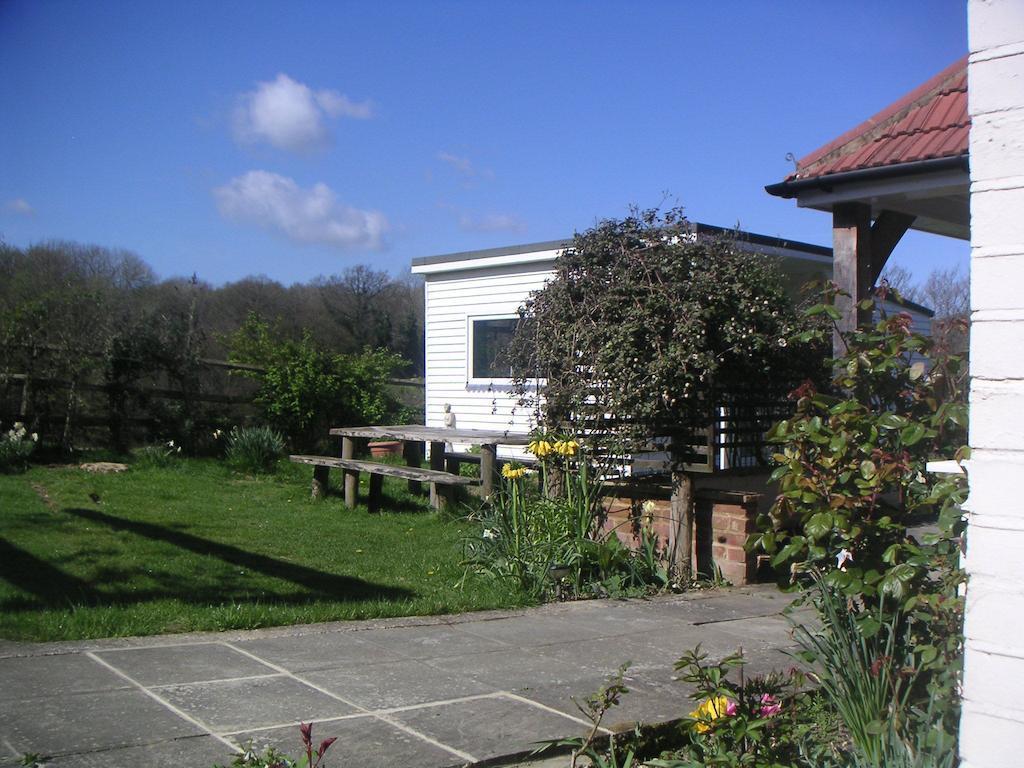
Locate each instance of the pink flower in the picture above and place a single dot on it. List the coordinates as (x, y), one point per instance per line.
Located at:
(770, 706)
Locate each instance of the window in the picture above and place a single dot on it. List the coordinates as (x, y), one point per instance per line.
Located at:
(489, 339)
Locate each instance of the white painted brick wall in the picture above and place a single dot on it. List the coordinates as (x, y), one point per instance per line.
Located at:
(989, 286)
(998, 153)
(992, 725)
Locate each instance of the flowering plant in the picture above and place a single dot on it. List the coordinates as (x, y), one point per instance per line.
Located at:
(16, 445)
(751, 721)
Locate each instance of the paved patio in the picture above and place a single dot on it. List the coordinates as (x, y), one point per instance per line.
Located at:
(440, 691)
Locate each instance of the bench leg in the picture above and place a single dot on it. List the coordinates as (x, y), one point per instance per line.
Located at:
(437, 464)
(441, 496)
(413, 451)
(320, 476)
(348, 450)
(376, 488)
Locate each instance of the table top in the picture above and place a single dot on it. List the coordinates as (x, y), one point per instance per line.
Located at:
(436, 434)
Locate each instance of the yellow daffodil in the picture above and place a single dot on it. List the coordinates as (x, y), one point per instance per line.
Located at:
(540, 448)
(711, 710)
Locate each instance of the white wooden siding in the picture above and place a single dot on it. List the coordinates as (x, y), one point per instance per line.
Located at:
(452, 298)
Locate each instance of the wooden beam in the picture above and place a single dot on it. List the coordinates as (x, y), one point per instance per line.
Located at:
(886, 232)
(851, 267)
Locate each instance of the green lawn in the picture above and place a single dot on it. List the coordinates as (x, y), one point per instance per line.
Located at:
(196, 547)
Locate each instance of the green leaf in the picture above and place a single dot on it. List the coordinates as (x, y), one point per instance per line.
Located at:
(819, 526)
(891, 421)
(868, 469)
(928, 653)
(912, 434)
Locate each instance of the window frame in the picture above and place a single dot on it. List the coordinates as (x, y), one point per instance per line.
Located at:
(471, 321)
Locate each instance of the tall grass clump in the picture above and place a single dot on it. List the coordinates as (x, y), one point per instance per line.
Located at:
(254, 449)
(157, 456)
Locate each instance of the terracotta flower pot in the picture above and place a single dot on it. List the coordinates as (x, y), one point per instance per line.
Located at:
(385, 448)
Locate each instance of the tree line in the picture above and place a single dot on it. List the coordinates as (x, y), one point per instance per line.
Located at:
(83, 325)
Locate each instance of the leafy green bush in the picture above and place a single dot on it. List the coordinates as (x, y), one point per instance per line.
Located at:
(852, 472)
(16, 445)
(254, 449)
(305, 389)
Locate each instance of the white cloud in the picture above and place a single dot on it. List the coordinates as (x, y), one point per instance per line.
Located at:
(20, 206)
(339, 105)
(290, 115)
(464, 167)
(311, 215)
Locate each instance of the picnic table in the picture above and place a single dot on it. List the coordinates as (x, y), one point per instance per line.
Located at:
(414, 436)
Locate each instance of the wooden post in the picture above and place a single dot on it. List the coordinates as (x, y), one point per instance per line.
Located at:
(488, 469)
(436, 463)
(681, 523)
(348, 450)
(413, 451)
(851, 267)
(320, 477)
(376, 490)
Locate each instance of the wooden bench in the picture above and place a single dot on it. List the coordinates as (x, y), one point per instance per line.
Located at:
(453, 460)
(441, 483)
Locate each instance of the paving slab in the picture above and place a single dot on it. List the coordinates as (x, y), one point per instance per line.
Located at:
(326, 650)
(427, 691)
(430, 641)
(86, 722)
(488, 728)
(367, 742)
(188, 752)
(36, 676)
(236, 705)
(192, 663)
(510, 669)
(397, 684)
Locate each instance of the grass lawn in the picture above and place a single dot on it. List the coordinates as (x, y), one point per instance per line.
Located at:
(195, 547)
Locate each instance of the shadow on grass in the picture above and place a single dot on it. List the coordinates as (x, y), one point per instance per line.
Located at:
(400, 505)
(51, 587)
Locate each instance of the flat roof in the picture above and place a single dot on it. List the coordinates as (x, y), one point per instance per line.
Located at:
(557, 245)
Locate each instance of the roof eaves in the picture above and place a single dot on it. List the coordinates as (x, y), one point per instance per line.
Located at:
(791, 188)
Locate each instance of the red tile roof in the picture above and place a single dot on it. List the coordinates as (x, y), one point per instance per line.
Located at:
(928, 123)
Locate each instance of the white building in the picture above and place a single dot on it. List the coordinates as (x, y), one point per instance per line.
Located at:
(472, 303)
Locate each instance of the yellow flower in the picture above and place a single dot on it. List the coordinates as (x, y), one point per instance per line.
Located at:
(711, 710)
(540, 448)
(510, 472)
(567, 447)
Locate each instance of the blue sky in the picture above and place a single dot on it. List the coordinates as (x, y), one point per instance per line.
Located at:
(297, 139)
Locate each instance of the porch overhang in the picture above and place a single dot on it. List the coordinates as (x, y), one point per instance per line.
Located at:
(934, 192)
